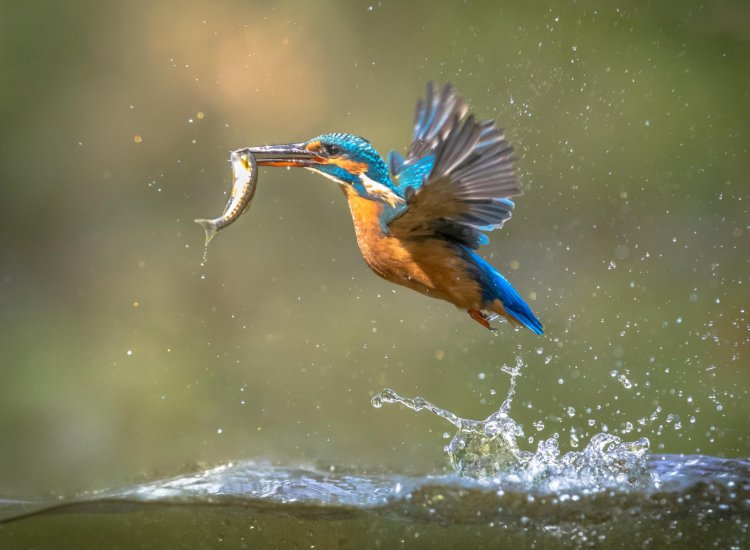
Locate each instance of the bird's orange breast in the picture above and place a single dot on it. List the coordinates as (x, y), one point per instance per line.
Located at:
(429, 266)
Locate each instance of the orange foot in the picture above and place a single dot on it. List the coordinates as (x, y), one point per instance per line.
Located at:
(480, 318)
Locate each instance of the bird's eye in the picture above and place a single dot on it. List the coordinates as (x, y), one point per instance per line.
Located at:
(332, 150)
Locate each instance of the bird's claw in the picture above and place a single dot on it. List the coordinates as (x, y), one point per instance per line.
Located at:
(481, 318)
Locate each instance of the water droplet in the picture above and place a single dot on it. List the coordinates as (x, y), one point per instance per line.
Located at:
(621, 252)
(627, 384)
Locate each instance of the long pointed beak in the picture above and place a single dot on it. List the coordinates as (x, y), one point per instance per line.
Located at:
(292, 154)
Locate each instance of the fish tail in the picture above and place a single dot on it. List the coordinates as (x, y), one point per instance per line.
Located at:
(210, 227)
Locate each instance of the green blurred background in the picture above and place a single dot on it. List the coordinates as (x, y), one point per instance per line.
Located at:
(122, 358)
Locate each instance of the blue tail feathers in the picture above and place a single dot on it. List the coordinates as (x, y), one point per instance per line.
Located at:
(495, 286)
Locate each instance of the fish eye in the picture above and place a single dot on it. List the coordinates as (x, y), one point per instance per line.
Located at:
(331, 149)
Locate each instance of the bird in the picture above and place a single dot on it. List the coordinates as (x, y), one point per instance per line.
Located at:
(420, 218)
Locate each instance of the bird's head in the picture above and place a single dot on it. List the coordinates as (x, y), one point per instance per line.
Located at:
(349, 160)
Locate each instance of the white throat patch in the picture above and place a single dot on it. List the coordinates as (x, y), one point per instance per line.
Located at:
(380, 191)
(375, 189)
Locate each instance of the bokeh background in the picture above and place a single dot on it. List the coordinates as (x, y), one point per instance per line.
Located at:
(121, 357)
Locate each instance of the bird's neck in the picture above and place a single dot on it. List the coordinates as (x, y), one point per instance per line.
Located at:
(366, 216)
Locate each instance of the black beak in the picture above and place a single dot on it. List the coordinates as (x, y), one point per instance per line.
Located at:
(292, 154)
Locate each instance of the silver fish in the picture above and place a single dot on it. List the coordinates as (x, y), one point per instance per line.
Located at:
(245, 173)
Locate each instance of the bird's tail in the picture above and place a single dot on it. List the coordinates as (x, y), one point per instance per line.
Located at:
(516, 310)
(502, 298)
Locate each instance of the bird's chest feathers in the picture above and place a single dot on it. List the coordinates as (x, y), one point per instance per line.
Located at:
(426, 265)
(384, 254)
(371, 235)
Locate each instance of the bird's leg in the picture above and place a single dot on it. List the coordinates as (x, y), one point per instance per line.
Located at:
(480, 318)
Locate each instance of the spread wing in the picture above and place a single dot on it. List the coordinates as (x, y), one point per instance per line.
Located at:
(457, 175)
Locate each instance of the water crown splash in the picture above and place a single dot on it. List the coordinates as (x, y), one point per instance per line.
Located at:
(488, 449)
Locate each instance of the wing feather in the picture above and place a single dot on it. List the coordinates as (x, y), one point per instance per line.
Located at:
(457, 176)
(434, 118)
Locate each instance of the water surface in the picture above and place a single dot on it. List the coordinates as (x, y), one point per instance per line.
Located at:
(695, 500)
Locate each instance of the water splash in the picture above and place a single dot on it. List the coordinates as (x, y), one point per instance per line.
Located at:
(488, 449)
(480, 448)
(702, 501)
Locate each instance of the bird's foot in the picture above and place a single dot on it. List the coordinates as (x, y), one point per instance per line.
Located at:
(480, 318)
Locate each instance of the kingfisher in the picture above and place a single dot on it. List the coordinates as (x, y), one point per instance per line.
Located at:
(419, 219)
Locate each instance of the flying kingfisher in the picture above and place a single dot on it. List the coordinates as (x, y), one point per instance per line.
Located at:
(419, 219)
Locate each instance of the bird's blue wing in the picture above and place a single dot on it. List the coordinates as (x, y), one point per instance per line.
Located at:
(395, 162)
(433, 121)
(457, 176)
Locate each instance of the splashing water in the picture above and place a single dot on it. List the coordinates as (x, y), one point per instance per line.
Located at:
(701, 502)
(610, 494)
(488, 449)
(480, 448)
